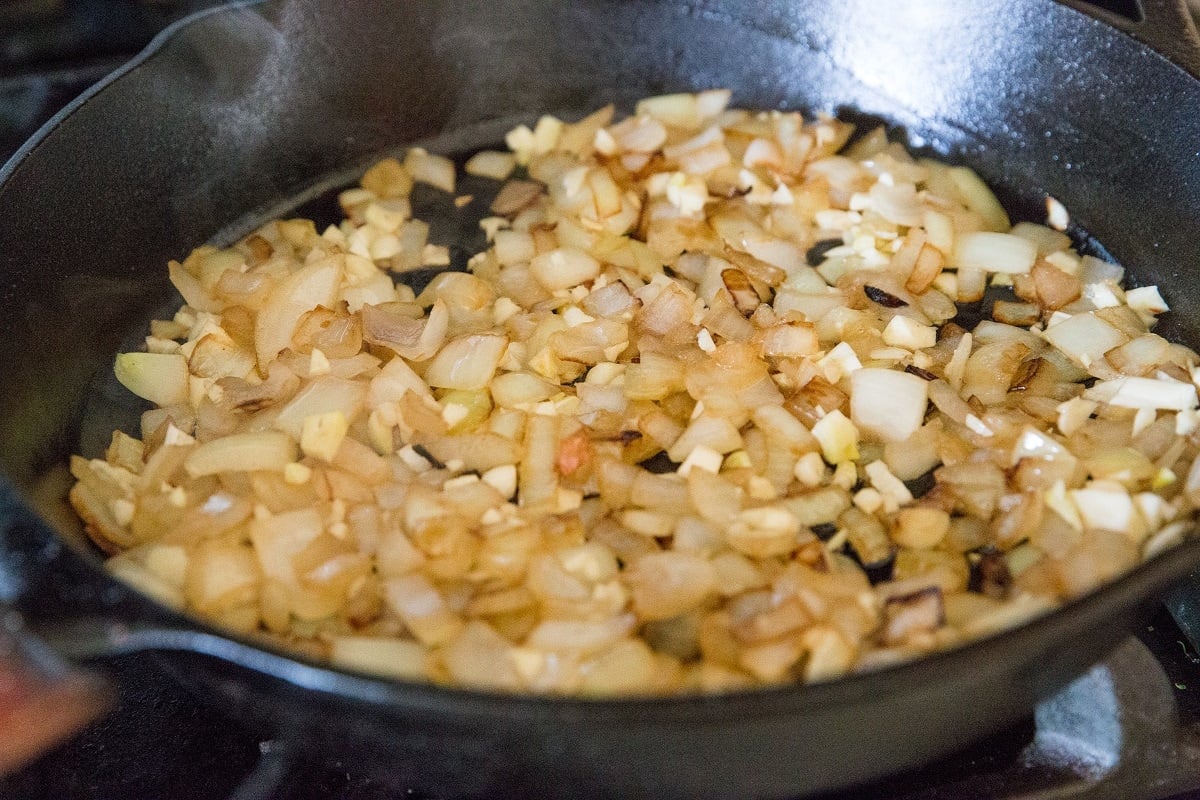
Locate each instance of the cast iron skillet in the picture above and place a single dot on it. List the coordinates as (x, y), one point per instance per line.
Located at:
(234, 115)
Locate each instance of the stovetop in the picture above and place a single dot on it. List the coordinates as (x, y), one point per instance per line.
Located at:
(1128, 729)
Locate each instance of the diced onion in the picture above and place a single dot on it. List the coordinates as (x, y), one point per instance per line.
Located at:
(994, 252)
(886, 404)
(702, 415)
(242, 452)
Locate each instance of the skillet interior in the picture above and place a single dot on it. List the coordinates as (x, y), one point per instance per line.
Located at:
(234, 117)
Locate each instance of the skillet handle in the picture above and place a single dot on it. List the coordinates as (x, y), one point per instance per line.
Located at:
(42, 699)
(1167, 26)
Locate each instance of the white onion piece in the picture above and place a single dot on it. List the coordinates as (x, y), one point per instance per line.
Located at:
(1084, 338)
(1047, 239)
(1095, 270)
(191, 289)
(324, 395)
(437, 171)
(313, 285)
(393, 381)
(491, 164)
(587, 637)
(242, 452)
(467, 362)
(668, 584)
(994, 252)
(393, 658)
(886, 404)
(423, 608)
(513, 247)
(161, 378)
(898, 204)
(563, 268)
(481, 657)
(679, 110)
(514, 388)
(979, 198)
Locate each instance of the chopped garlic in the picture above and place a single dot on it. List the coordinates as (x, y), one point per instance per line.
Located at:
(178, 497)
(503, 310)
(868, 500)
(908, 333)
(435, 255)
(322, 434)
(521, 141)
(318, 363)
(838, 437)
(546, 133)
(454, 413)
(834, 220)
(1056, 214)
(701, 457)
(922, 360)
(122, 510)
(174, 436)
(546, 408)
(459, 481)
(688, 193)
(1073, 413)
(297, 474)
(157, 345)
(1101, 295)
(503, 479)
(810, 469)
(1146, 299)
(891, 488)
(413, 460)
(845, 475)
(1163, 478)
(738, 459)
(839, 362)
